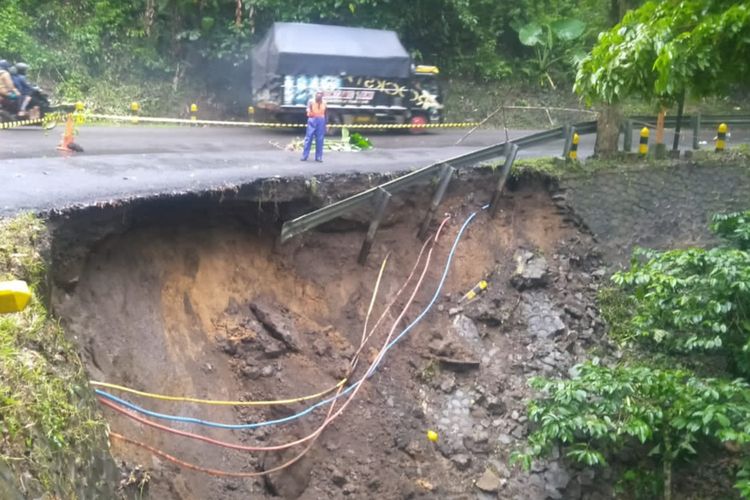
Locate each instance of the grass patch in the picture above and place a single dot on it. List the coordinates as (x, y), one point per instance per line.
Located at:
(47, 416)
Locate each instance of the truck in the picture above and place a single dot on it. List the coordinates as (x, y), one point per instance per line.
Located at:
(366, 76)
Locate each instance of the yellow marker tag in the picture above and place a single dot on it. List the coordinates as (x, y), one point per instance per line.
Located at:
(478, 288)
(14, 296)
(432, 436)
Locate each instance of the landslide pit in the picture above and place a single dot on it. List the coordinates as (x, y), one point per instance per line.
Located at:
(194, 296)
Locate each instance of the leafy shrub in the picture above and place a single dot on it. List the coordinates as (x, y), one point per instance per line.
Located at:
(606, 410)
(695, 299)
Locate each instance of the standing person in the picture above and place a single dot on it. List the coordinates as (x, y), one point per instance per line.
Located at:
(316, 126)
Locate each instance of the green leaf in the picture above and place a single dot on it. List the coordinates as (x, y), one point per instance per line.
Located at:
(530, 34)
(568, 29)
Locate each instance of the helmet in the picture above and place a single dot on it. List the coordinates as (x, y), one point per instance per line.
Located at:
(4, 64)
(13, 70)
(22, 68)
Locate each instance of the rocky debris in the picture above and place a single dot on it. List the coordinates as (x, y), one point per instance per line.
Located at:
(495, 405)
(487, 312)
(531, 271)
(458, 365)
(542, 317)
(290, 482)
(448, 383)
(478, 442)
(337, 477)
(465, 328)
(462, 461)
(488, 482)
(277, 321)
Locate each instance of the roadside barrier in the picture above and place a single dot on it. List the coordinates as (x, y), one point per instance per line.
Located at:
(721, 137)
(573, 154)
(643, 146)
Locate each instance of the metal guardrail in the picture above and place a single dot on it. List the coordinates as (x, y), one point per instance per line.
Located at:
(686, 119)
(496, 151)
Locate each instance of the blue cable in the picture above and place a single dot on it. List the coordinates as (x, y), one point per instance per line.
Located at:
(324, 402)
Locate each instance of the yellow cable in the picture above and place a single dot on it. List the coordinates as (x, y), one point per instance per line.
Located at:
(251, 403)
(218, 402)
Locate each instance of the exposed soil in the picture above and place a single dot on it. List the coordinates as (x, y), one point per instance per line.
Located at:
(197, 301)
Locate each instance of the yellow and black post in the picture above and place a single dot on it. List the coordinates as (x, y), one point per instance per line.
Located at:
(135, 109)
(573, 154)
(721, 137)
(78, 113)
(250, 113)
(193, 112)
(643, 147)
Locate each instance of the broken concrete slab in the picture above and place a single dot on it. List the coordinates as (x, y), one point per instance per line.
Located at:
(531, 271)
(543, 319)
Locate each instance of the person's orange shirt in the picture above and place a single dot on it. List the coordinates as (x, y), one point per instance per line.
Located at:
(316, 109)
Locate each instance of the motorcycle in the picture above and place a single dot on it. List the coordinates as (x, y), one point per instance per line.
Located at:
(39, 107)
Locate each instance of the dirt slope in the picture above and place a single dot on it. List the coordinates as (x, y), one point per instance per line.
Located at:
(205, 305)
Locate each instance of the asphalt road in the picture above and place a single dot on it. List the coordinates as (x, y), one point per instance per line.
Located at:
(125, 162)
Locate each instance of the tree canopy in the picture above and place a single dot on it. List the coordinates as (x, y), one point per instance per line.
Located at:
(666, 48)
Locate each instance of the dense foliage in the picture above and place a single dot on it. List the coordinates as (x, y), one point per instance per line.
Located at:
(608, 410)
(78, 42)
(673, 307)
(666, 48)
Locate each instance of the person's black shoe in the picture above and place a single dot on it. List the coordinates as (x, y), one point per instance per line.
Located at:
(319, 161)
(303, 159)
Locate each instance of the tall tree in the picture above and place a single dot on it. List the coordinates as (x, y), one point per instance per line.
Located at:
(665, 49)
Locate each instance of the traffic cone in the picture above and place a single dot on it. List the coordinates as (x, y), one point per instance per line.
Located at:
(66, 142)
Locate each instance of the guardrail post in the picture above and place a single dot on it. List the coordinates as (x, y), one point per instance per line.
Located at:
(696, 130)
(721, 137)
(627, 136)
(193, 112)
(573, 154)
(446, 174)
(78, 113)
(135, 108)
(511, 150)
(567, 140)
(643, 146)
(381, 202)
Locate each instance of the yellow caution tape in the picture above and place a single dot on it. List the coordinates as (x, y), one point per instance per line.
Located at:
(227, 123)
(81, 117)
(21, 123)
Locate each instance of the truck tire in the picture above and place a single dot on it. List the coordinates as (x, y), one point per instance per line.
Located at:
(418, 120)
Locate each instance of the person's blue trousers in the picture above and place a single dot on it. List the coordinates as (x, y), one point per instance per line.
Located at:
(316, 127)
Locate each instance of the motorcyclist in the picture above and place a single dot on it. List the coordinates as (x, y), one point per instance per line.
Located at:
(18, 73)
(8, 92)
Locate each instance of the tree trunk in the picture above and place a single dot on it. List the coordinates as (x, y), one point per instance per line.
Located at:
(667, 469)
(660, 150)
(607, 131)
(678, 126)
